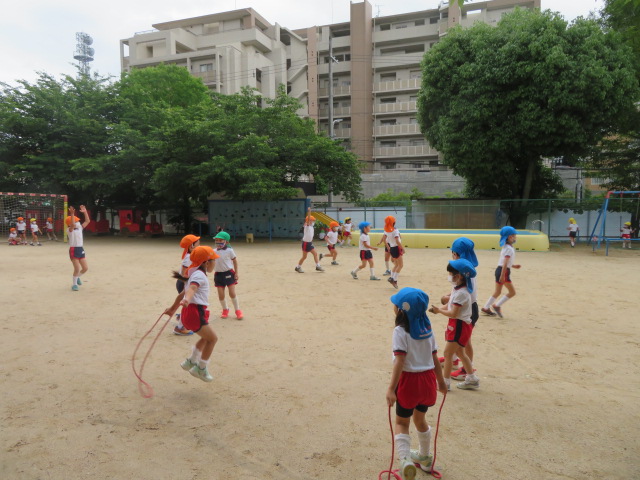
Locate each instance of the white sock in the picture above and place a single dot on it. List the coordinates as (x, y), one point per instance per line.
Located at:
(425, 442)
(318, 264)
(372, 272)
(455, 357)
(195, 355)
(395, 275)
(223, 302)
(75, 280)
(236, 304)
(386, 264)
(403, 445)
(502, 301)
(203, 364)
(489, 302)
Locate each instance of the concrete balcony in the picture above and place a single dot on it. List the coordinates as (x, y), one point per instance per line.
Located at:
(403, 152)
(400, 107)
(337, 91)
(406, 129)
(340, 67)
(397, 86)
(207, 77)
(396, 35)
(397, 60)
(339, 132)
(337, 112)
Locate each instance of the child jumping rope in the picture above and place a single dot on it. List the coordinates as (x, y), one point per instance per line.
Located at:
(332, 239)
(573, 231)
(307, 243)
(188, 243)
(365, 252)
(415, 380)
(195, 315)
(459, 328)
(503, 272)
(226, 274)
(76, 242)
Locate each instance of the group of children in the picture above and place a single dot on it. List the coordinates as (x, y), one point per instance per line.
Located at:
(18, 234)
(625, 233)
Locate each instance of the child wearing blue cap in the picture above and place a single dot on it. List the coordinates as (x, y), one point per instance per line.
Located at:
(365, 252)
(415, 380)
(459, 329)
(503, 273)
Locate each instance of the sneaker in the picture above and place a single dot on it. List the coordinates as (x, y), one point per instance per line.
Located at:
(393, 282)
(407, 469)
(182, 331)
(321, 255)
(32, 244)
(460, 374)
(469, 384)
(188, 364)
(319, 268)
(456, 362)
(75, 288)
(498, 310)
(424, 461)
(225, 313)
(299, 270)
(386, 273)
(487, 311)
(373, 277)
(201, 373)
(239, 315)
(79, 282)
(39, 244)
(354, 275)
(334, 263)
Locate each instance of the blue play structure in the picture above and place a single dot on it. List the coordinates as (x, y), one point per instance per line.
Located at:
(601, 222)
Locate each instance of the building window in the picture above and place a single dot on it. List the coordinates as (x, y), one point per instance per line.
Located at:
(414, 48)
(415, 74)
(288, 63)
(388, 100)
(433, 20)
(258, 75)
(206, 67)
(388, 77)
(346, 83)
(388, 143)
(417, 165)
(413, 121)
(391, 121)
(385, 27)
(419, 22)
(401, 25)
(417, 143)
(389, 165)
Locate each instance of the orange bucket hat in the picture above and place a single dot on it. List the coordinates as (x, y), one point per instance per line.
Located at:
(311, 217)
(389, 224)
(49, 219)
(186, 243)
(334, 224)
(67, 220)
(20, 218)
(202, 254)
(12, 229)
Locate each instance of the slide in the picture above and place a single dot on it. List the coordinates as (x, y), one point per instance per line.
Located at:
(323, 218)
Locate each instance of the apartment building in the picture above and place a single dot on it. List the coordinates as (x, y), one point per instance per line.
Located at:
(358, 80)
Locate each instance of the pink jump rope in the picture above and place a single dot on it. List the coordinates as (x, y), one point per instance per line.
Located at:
(143, 387)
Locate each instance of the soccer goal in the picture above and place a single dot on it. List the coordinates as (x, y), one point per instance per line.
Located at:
(40, 206)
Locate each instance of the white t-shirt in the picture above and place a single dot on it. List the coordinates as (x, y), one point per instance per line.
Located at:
(225, 262)
(347, 227)
(186, 263)
(21, 226)
(419, 353)
(332, 237)
(75, 236)
(626, 230)
(201, 297)
(49, 226)
(364, 238)
(13, 235)
(308, 234)
(573, 227)
(460, 296)
(393, 237)
(507, 251)
(34, 227)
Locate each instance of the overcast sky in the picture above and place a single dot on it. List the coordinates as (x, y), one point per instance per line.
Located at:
(39, 35)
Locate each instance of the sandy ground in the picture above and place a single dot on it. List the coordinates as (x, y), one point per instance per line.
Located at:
(299, 388)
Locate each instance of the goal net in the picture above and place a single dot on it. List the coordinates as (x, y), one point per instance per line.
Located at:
(40, 206)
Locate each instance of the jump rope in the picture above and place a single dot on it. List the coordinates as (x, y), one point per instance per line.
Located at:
(143, 387)
(435, 473)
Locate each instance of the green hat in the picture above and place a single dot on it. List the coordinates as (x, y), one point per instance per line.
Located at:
(224, 236)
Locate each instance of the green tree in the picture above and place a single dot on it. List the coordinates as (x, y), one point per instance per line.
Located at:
(623, 16)
(497, 100)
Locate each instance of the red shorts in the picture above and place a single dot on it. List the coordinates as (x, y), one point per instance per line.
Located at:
(346, 234)
(417, 388)
(194, 316)
(458, 331)
(626, 235)
(331, 247)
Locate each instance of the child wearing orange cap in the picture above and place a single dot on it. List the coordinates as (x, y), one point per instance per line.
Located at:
(393, 241)
(13, 237)
(195, 315)
(76, 242)
(49, 230)
(35, 229)
(188, 243)
(332, 239)
(21, 227)
(307, 243)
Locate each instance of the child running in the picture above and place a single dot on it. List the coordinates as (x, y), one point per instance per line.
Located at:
(573, 231)
(503, 273)
(415, 380)
(394, 242)
(76, 242)
(188, 243)
(35, 229)
(626, 235)
(13, 237)
(365, 252)
(195, 315)
(332, 239)
(226, 274)
(21, 227)
(50, 231)
(346, 231)
(459, 328)
(307, 243)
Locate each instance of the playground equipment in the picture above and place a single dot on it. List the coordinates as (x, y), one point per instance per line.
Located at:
(131, 219)
(99, 225)
(601, 220)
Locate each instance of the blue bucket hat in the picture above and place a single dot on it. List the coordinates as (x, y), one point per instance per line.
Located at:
(362, 225)
(414, 303)
(464, 247)
(506, 232)
(465, 268)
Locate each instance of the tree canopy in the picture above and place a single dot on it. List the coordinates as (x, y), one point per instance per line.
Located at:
(498, 100)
